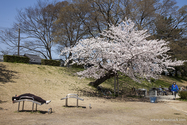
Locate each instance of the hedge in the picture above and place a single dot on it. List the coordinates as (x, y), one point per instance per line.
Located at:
(77, 66)
(16, 59)
(50, 62)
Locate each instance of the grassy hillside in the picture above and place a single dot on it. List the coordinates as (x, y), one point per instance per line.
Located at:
(44, 81)
(164, 81)
(16, 78)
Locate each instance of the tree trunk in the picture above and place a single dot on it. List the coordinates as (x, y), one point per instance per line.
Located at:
(70, 61)
(118, 85)
(115, 85)
(176, 70)
(102, 79)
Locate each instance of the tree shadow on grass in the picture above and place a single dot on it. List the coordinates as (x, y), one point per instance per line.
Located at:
(178, 79)
(6, 75)
(2, 101)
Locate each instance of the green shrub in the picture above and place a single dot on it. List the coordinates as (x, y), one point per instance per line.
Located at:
(77, 66)
(183, 94)
(50, 62)
(16, 59)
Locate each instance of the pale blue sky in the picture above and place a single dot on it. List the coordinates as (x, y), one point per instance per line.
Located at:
(8, 12)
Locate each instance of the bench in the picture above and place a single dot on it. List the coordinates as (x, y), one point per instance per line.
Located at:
(27, 98)
(71, 96)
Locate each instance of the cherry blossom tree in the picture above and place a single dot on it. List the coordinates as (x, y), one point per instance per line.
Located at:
(125, 49)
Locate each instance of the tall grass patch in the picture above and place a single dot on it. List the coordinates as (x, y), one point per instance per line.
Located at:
(183, 95)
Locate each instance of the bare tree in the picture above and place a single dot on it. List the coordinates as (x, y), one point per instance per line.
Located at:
(69, 27)
(9, 37)
(102, 13)
(91, 17)
(35, 24)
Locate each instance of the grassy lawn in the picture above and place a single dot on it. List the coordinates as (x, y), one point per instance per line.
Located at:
(53, 83)
(62, 75)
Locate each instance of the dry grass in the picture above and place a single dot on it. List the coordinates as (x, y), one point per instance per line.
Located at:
(55, 82)
(44, 81)
(180, 82)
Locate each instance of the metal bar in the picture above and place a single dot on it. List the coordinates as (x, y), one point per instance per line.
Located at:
(49, 110)
(36, 107)
(32, 106)
(18, 106)
(66, 102)
(77, 103)
(23, 105)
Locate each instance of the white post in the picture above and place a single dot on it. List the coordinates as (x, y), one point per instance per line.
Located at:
(145, 92)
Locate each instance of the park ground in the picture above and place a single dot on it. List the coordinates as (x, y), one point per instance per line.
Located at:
(54, 84)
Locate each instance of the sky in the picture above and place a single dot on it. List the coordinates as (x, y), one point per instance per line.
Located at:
(8, 12)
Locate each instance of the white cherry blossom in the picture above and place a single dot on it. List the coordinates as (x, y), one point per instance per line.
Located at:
(125, 49)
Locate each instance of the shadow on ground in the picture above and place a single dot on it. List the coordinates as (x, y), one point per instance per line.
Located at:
(2, 101)
(6, 75)
(74, 106)
(38, 111)
(105, 95)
